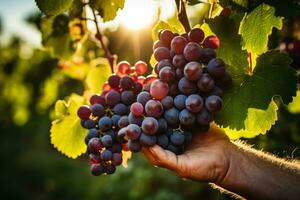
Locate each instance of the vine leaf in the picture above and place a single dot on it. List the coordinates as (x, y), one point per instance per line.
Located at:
(67, 135)
(248, 101)
(108, 8)
(173, 25)
(54, 7)
(294, 106)
(98, 75)
(56, 36)
(257, 26)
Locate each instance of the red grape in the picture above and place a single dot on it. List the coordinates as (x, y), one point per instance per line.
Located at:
(140, 67)
(211, 42)
(137, 109)
(124, 67)
(159, 89)
(196, 35)
(162, 53)
(178, 43)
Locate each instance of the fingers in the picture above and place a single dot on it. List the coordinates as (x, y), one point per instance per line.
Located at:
(162, 158)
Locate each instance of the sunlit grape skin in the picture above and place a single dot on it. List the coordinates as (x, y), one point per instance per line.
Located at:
(211, 42)
(196, 35)
(159, 89)
(193, 71)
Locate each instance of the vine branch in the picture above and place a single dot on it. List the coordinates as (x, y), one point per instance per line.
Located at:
(182, 16)
(110, 57)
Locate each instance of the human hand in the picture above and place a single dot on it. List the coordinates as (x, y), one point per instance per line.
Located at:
(206, 159)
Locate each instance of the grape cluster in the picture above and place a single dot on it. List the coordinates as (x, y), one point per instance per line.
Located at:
(105, 116)
(164, 108)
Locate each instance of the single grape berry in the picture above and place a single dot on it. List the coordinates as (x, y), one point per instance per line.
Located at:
(133, 132)
(105, 124)
(94, 158)
(112, 98)
(137, 109)
(115, 120)
(128, 97)
(177, 44)
(154, 108)
(186, 86)
(84, 112)
(172, 116)
(157, 44)
(179, 61)
(143, 97)
(123, 121)
(126, 83)
(167, 75)
(140, 67)
(94, 146)
(166, 37)
(106, 140)
(162, 140)
(216, 68)
(150, 126)
(193, 71)
(106, 155)
(211, 42)
(177, 138)
(162, 125)
(213, 103)
(114, 81)
(167, 102)
(97, 110)
(159, 89)
(196, 35)
(192, 51)
(162, 53)
(179, 101)
(194, 103)
(97, 169)
(124, 67)
(186, 118)
(206, 83)
(110, 169)
(89, 123)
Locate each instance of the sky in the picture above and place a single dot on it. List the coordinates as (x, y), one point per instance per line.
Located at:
(13, 13)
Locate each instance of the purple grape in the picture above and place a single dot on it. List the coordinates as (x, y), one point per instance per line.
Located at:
(150, 126)
(179, 61)
(162, 53)
(172, 116)
(106, 140)
(193, 71)
(177, 138)
(143, 97)
(167, 102)
(179, 101)
(194, 103)
(120, 109)
(162, 140)
(186, 118)
(186, 86)
(126, 83)
(167, 75)
(128, 97)
(94, 146)
(133, 132)
(106, 155)
(135, 120)
(206, 83)
(192, 51)
(105, 123)
(134, 145)
(97, 110)
(97, 169)
(216, 68)
(117, 159)
(204, 117)
(84, 112)
(207, 54)
(123, 122)
(177, 44)
(114, 81)
(154, 108)
(112, 98)
(213, 103)
(92, 133)
(147, 140)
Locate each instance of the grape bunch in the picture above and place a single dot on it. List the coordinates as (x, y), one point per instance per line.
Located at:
(103, 118)
(184, 98)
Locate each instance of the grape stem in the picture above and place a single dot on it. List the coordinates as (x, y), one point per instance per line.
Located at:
(110, 57)
(182, 16)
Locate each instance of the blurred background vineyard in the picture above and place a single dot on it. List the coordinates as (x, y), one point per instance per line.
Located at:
(31, 80)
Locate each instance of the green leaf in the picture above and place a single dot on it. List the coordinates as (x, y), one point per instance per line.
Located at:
(257, 26)
(294, 106)
(173, 25)
(98, 75)
(67, 135)
(53, 7)
(108, 8)
(56, 37)
(249, 99)
(226, 29)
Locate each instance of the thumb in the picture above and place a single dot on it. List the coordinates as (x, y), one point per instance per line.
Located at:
(162, 158)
